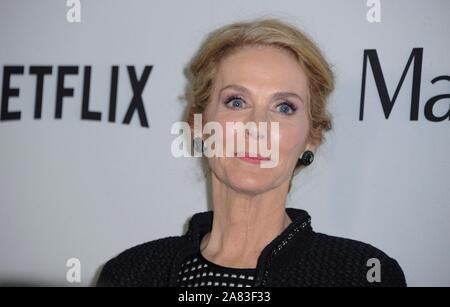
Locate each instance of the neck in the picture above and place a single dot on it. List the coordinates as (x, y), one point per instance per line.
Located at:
(243, 224)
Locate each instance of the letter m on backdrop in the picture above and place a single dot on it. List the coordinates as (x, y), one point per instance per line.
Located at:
(386, 102)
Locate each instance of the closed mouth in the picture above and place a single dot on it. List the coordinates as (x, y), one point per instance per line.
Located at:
(252, 157)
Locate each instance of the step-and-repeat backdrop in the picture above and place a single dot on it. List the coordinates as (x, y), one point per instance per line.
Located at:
(90, 90)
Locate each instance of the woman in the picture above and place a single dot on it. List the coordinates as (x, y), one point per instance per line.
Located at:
(263, 70)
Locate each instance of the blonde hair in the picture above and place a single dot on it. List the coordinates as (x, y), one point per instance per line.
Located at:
(202, 69)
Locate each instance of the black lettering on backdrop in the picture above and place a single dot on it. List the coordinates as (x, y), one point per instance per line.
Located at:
(136, 104)
(113, 94)
(387, 103)
(62, 91)
(431, 102)
(40, 72)
(7, 92)
(85, 113)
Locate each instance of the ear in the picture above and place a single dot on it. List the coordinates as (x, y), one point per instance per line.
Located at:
(312, 145)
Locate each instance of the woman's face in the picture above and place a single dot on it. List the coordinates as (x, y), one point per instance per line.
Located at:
(245, 90)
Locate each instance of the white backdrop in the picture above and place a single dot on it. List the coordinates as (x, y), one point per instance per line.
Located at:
(87, 189)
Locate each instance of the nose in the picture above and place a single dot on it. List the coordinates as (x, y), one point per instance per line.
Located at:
(256, 129)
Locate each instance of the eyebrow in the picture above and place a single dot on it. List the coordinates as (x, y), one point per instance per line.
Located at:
(276, 95)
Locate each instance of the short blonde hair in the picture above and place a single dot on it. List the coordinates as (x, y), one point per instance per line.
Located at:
(202, 69)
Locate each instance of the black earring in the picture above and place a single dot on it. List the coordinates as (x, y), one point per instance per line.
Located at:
(307, 158)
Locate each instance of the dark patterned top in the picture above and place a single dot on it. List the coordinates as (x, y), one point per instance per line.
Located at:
(298, 257)
(197, 271)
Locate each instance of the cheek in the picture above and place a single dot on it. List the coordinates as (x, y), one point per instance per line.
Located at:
(292, 139)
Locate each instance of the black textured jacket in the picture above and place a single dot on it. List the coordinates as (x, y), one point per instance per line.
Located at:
(297, 257)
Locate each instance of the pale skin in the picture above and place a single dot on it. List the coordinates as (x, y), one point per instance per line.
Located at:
(249, 201)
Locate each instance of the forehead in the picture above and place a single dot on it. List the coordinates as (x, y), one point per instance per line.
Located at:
(262, 68)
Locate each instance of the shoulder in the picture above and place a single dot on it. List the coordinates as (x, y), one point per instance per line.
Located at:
(144, 264)
(322, 260)
(358, 263)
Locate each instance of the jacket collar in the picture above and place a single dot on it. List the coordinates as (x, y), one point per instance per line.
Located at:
(201, 223)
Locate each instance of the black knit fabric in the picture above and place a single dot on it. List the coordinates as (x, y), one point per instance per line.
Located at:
(197, 271)
(298, 257)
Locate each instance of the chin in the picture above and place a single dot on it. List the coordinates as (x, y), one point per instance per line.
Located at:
(250, 182)
(249, 188)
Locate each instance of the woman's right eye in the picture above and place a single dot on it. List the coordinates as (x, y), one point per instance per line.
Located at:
(234, 102)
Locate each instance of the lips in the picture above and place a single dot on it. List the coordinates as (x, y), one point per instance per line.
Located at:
(255, 159)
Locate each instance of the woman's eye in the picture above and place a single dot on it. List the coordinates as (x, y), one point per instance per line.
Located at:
(286, 108)
(234, 103)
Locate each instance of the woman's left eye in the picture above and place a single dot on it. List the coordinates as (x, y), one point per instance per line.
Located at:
(286, 108)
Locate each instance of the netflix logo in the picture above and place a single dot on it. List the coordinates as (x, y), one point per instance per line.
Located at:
(135, 103)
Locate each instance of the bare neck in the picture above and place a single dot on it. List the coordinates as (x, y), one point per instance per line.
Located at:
(243, 224)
